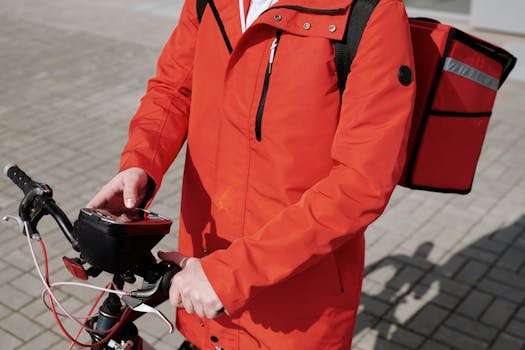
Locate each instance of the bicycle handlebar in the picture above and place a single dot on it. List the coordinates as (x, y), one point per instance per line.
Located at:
(38, 200)
(62, 221)
(21, 179)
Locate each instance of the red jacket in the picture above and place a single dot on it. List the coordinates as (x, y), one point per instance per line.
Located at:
(282, 177)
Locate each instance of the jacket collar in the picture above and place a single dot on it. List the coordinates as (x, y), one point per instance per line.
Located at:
(315, 4)
(319, 18)
(323, 18)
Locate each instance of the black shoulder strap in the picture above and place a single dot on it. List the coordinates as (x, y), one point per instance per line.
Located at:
(201, 6)
(346, 49)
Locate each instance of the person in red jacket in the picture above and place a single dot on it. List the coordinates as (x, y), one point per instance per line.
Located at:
(282, 173)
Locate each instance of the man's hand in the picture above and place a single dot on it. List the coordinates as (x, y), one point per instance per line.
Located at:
(125, 191)
(190, 287)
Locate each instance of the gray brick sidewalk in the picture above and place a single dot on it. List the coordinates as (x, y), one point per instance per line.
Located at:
(443, 271)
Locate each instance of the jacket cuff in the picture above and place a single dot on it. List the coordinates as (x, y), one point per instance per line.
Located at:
(222, 280)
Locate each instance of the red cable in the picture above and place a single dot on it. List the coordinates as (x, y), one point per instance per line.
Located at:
(44, 256)
(57, 319)
(80, 329)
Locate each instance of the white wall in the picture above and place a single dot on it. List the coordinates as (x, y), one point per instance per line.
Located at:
(500, 15)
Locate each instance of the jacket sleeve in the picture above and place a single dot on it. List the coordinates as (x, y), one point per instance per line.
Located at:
(368, 153)
(159, 128)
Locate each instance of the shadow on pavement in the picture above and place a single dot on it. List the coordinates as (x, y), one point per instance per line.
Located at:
(474, 300)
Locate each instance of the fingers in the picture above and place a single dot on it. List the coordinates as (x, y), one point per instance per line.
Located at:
(134, 183)
(104, 196)
(212, 312)
(191, 302)
(131, 183)
(190, 288)
(175, 297)
(126, 189)
(187, 302)
(183, 298)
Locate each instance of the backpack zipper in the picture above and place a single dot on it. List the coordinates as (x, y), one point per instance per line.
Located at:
(266, 84)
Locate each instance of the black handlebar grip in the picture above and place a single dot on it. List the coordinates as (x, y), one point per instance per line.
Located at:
(165, 283)
(21, 179)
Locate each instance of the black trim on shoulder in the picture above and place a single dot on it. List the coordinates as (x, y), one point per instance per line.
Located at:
(201, 7)
(437, 113)
(346, 50)
(221, 25)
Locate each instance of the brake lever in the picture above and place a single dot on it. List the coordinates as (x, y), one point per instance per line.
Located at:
(139, 306)
(19, 221)
(161, 286)
(33, 233)
(147, 292)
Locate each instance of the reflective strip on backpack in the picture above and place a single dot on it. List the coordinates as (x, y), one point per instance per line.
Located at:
(471, 73)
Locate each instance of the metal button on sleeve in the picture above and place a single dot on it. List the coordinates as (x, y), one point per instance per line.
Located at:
(278, 18)
(332, 28)
(307, 26)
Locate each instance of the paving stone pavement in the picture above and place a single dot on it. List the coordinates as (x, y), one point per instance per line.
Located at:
(443, 271)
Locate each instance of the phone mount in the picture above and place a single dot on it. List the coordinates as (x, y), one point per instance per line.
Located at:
(118, 245)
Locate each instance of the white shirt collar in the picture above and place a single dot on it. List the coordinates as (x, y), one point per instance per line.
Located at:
(256, 8)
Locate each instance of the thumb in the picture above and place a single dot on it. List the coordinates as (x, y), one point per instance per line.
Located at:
(176, 257)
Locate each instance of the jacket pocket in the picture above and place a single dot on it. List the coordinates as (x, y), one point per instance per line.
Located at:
(266, 85)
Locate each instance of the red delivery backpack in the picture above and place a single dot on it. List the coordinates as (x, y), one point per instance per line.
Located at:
(457, 77)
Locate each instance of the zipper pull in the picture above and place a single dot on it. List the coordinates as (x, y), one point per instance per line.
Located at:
(272, 54)
(273, 49)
